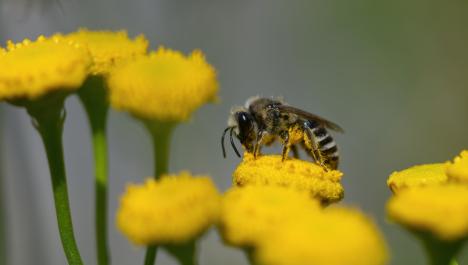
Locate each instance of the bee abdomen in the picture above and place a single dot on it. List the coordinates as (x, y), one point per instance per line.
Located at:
(325, 143)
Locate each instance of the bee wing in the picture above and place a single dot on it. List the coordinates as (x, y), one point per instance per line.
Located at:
(309, 116)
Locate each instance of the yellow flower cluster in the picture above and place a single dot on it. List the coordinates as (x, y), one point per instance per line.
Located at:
(275, 212)
(165, 86)
(441, 210)
(38, 67)
(250, 213)
(334, 237)
(432, 198)
(421, 175)
(294, 173)
(458, 170)
(172, 210)
(108, 48)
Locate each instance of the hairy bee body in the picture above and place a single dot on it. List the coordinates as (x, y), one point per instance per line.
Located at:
(263, 121)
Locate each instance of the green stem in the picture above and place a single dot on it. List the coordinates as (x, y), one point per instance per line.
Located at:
(185, 254)
(440, 252)
(161, 138)
(48, 117)
(93, 96)
(249, 253)
(3, 251)
(150, 256)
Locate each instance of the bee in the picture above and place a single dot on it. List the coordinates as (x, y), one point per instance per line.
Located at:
(262, 121)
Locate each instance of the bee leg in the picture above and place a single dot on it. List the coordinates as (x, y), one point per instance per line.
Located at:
(311, 144)
(258, 143)
(286, 144)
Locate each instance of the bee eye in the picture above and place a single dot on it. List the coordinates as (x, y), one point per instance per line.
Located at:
(245, 122)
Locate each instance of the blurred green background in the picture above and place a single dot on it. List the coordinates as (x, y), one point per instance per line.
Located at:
(393, 74)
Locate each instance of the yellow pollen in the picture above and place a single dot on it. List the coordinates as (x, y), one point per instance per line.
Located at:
(36, 68)
(457, 170)
(109, 48)
(416, 176)
(294, 173)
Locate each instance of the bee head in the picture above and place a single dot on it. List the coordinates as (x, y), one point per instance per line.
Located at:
(245, 129)
(242, 124)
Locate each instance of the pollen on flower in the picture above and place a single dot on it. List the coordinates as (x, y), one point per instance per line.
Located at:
(335, 237)
(416, 176)
(172, 210)
(38, 67)
(294, 173)
(109, 48)
(457, 170)
(165, 86)
(440, 210)
(250, 213)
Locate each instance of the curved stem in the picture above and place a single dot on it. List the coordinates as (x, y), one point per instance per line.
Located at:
(93, 96)
(48, 118)
(161, 138)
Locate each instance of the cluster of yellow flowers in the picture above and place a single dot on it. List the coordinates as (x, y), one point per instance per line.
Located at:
(160, 86)
(164, 85)
(432, 200)
(172, 210)
(276, 213)
(276, 223)
(36, 68)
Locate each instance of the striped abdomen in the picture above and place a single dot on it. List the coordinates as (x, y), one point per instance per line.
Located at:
(323, 146)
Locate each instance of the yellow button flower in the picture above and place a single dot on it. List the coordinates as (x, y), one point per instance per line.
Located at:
(165, 86)
(336, 237)
(172, 210)
(440, 210)
(416, 176)
(249, 213)
(34, 68)
(458, 170)
(294, 173)
(108, 48)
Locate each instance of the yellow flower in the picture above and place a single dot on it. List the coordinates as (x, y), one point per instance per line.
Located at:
(421, 175)
(336, 237)
(165, 86)
(31, 69)
(172, 210)
(440, 210)
(458, 170)
(294, 173)
(108, 48)
(250, 213)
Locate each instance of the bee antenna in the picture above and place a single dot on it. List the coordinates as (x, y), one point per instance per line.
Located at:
(232, 142)
(222, 141)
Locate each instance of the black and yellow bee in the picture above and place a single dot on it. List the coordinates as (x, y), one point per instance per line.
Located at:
(262, 121)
